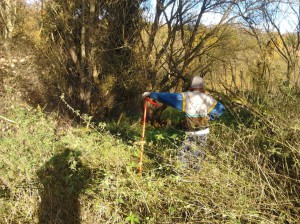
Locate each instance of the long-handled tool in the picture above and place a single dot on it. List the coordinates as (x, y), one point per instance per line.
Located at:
(143, 133)
(143, 137)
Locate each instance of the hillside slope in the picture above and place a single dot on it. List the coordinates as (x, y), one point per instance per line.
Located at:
(56, 171)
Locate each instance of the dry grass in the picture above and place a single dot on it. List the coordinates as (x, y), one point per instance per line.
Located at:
(51, 173)
(90, 176)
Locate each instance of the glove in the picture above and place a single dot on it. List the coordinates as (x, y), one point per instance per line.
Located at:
(145, 94)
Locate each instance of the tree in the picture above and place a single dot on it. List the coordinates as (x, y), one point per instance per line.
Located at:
(93, 41)
(270, 16)
(182, 51)
(8, 13)
(287, 44)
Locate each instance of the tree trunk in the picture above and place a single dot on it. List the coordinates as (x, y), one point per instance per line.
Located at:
(84, 73)
(8, 10)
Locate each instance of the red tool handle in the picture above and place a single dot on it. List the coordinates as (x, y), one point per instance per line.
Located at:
(151, 101)
(143, 137)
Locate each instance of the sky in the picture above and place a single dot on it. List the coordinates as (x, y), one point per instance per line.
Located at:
(31, 1)
(287, 21)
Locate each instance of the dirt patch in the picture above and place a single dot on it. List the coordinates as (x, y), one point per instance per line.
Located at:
(19, 79)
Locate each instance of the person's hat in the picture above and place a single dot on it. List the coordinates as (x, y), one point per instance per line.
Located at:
(197, 82)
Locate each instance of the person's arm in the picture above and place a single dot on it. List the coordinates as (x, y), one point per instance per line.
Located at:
(175, 100)
(216, 109)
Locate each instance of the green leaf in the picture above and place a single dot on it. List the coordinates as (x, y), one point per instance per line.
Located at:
(159, 137)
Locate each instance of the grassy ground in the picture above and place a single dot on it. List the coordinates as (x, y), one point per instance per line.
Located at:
(54, 171)
(78, 175)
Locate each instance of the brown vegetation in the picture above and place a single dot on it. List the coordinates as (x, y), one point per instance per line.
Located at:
(94, 59)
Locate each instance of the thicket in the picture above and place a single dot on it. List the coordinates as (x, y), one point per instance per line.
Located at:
(51, 173)
(94, 59)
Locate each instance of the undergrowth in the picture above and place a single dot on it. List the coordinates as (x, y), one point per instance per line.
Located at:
(80, 174)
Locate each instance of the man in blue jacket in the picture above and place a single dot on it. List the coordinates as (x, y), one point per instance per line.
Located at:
(198, 108)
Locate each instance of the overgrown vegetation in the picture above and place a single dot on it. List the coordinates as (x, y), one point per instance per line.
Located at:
(48, 174)
(70, 115)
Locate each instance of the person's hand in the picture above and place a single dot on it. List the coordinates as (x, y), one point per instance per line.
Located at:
(145, 94)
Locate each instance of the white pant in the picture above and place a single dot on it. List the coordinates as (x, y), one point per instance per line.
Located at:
(198, 133)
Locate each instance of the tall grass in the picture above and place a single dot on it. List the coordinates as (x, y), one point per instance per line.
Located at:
(54, 174)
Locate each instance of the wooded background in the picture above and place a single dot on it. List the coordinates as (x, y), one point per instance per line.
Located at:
(103, 54)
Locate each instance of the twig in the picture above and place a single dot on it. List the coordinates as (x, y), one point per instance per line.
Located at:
(6, 119)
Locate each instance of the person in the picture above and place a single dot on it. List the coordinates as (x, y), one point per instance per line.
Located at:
(199, 107)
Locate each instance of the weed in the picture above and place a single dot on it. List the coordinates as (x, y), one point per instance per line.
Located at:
(132, 218)
(250, 174)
